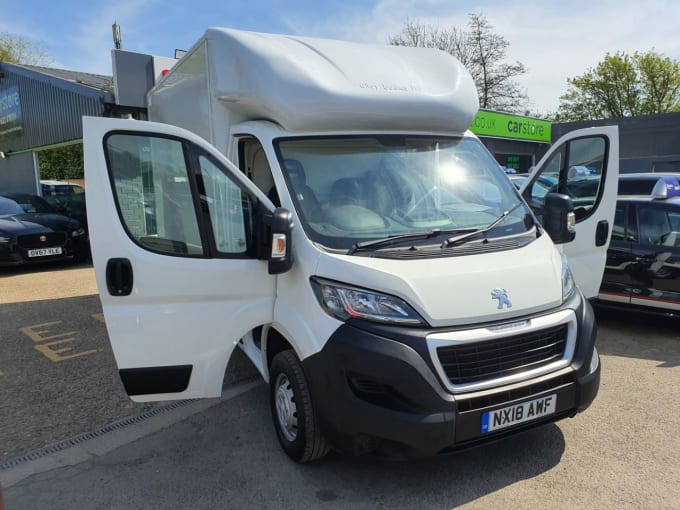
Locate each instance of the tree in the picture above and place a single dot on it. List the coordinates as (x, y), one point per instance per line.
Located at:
(59, 163)
(483, 54)
(16, 49)
(623, 85)
(62, 162)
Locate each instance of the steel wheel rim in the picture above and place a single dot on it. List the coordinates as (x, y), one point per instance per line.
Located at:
(286, 410)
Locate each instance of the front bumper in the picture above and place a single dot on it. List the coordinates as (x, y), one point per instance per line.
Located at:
(376, 389)
(11, 254)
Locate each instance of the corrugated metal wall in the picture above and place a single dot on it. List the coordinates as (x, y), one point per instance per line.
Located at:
(51, 110)
(646, 144)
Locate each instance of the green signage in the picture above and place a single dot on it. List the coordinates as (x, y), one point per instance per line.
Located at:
(504, 125)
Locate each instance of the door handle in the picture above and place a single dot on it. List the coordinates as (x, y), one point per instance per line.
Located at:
(601, 233)
(119, 277)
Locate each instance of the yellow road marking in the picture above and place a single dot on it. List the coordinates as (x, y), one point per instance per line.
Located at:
(41, 333)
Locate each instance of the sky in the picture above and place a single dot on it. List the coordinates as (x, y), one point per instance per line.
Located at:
(555, 40)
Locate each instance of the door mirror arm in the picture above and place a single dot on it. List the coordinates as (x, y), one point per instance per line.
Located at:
(558, 218)
(276, 240)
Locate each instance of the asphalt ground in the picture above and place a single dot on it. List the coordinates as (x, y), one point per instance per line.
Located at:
(223, 453)
(58, 376)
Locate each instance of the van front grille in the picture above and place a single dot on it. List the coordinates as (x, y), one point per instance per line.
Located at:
(472, 362)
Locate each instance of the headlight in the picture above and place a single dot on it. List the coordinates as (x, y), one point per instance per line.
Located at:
(5, 239)
(344, 302)
(78, 232)
(568, 284)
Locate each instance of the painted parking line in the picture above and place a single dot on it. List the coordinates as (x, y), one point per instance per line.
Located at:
(54, 345)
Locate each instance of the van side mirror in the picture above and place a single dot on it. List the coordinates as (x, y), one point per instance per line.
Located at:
(280, 256)
(558, 218)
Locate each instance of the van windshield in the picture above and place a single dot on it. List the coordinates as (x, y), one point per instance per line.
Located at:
(356, 189)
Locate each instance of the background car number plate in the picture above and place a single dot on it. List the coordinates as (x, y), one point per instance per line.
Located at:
(512, 415)
(43, 252)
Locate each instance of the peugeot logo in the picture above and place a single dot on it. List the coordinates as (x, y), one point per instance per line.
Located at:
(43, 239)
(502, 296)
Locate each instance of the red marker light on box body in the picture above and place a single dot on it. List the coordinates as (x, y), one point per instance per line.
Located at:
(165, 72)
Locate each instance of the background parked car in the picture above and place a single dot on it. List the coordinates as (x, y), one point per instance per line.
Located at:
(58, 188)
(643, 260)
(31, 230)
(67, 198)
(644, 183)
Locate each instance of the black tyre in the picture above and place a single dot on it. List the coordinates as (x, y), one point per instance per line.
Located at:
(292, 411)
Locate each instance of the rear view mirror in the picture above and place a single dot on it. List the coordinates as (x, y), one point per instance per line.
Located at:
(558, 218)
(280, 256)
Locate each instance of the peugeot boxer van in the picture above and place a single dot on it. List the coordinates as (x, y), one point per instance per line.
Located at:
(322, 206)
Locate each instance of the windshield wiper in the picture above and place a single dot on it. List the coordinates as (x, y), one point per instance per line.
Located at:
(452, 241)
(395, 239)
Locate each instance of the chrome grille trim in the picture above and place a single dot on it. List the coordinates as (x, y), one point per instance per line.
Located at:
(501, 331)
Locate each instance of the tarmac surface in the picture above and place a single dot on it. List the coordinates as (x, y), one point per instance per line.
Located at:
(223, 453)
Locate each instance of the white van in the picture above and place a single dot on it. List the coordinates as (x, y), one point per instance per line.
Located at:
(364, 249)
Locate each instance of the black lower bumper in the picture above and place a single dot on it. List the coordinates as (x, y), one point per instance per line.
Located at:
(375, 391)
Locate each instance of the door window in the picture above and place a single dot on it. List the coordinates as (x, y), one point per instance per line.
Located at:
(153, 193)
(619, 230)
(578, 170)
(156, 192)
(655, 227)
(229, 208)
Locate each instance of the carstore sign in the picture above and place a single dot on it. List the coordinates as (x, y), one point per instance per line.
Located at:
(503, 125)
(10, 113)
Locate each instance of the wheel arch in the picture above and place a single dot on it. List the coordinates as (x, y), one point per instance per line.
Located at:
(275, 342)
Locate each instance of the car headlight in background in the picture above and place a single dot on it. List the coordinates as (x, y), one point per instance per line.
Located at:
(568, 284)
(78, 232)
(346, 302)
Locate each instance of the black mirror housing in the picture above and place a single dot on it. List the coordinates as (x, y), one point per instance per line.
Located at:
(558, 218)
(279, 241)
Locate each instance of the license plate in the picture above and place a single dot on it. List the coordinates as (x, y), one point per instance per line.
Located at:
(512, 415)
(44, 252)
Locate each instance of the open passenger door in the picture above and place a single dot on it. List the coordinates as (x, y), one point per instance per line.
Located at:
(584, 165)
(174, 229)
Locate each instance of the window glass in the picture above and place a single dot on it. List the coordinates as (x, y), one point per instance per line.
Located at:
(576, 170)
(349, 190)
(584, 175)
(229, 208)
(153, 193)
(619, 230)
(548, 178)
(655, 226)
(674, 218)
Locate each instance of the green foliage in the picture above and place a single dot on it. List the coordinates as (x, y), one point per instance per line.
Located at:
(16, 49)
(483, 54)
(623, 85)
(62, 163)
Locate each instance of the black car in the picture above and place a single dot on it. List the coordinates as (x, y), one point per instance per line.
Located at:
(31, 230)
(643, 184)
(643, 260)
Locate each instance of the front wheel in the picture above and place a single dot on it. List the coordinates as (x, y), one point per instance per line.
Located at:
(293, 415)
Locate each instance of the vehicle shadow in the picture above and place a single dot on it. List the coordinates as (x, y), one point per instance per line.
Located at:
(228, 457)
(452, 480)
(636, 335)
